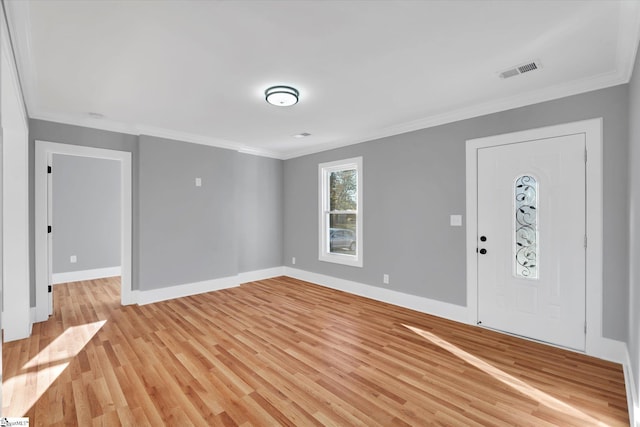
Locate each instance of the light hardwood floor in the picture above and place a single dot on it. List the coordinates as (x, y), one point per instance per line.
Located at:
(286, 352)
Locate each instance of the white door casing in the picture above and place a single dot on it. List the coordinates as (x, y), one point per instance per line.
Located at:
(15, 195)
(44, 151)
(531, 226)
(49, 235)
(596, 345)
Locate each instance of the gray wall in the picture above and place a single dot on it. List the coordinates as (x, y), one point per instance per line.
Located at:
(86, 213)
(187, 233)
(77, 135)
(259, 190)
(229, 225)
(414, 181)
(182, 233)
(633, 340)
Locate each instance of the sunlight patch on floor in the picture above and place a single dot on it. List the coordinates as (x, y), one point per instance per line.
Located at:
(22, 391)
(513, 382)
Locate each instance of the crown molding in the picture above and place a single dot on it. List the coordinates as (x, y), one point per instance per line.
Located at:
(18, 20)
(138, 130)
(12, 67)
(205, 140)
(626, 50)
(495, 106)
(75, 120)
(628, 37)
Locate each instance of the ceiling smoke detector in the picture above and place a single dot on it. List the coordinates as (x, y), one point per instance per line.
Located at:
(521, 69)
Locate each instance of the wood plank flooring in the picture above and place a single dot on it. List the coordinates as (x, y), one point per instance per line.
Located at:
(285, 352)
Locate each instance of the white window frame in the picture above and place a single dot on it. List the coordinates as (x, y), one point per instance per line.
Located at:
(324, 171)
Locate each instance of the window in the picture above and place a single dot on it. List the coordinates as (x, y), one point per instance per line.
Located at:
(341, 211)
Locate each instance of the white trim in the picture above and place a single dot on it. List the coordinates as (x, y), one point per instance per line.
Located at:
(628, 36)
(490, 107)
(625, 55)
(565, 90)
(19, 20)
(7, 51)
(204, 140)
(596, 344)
(324, 170)
(77, 276)
(185, 290)
(188, 289)
(141, 130)
(267, 273)
(16, 321)
(45, 149)
(632, 398)
(413, 302)
(606, 349)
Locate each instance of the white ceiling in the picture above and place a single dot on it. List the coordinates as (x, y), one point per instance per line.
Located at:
(197, 70)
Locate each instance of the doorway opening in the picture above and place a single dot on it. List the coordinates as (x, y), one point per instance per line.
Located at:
(84, 204)
(44, 280)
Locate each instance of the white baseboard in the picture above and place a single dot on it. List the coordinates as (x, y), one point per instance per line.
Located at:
(267, 273)
(130, 297)
(425, 305)
(185, 290)
(76, 276)
(632, 396)
(603, 348)
(188, 289)
(608, 349)
(18, 334)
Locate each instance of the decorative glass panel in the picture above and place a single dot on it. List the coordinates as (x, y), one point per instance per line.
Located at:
(526, 227)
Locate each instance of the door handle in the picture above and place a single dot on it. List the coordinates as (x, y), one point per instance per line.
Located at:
(483, 251)
(483, 238)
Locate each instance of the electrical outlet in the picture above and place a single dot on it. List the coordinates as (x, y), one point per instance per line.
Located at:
(385, 279)
(73, 259)
(293, 260)
(198, 182)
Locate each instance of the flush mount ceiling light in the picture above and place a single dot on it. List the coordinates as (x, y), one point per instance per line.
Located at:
(281, 96)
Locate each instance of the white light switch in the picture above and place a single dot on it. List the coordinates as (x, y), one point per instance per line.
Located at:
(455, 220)
(198, 182)
(73, 259)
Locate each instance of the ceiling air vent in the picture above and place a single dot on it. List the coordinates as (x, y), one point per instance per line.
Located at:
(521, 69)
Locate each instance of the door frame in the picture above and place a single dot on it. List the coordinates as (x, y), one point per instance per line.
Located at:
(43, 152)
(595, 344)
(14, 168)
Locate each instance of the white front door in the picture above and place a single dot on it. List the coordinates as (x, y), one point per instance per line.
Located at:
(531, 239)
